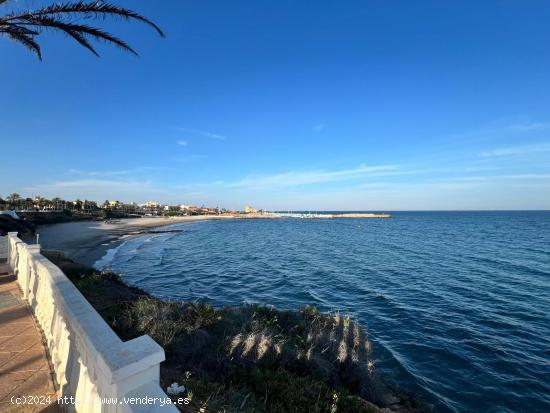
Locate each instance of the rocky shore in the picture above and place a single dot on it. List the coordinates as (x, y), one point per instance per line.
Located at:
(248, 358)
(24, 228)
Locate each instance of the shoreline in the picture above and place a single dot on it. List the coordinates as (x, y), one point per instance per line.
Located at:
(87, 242)
(224, 336)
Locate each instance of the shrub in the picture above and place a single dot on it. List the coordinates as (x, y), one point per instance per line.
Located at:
(164, 320)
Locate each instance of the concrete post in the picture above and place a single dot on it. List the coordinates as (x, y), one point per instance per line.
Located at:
(10, 236)
(34, 248)
(12, 261)
(25, 271)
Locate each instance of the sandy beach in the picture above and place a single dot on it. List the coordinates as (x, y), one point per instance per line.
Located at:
(87, 241)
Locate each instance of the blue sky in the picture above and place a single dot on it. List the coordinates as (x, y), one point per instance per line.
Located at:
(367, 105)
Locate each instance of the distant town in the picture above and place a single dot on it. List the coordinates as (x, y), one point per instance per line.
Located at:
(110, 208)
(39, 211)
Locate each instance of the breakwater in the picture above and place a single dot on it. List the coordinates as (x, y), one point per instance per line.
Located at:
(309, 215)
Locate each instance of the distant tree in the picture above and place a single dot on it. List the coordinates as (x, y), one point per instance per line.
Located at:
(25, 26)
(90, 205)
(13, 200)
(57, 203)
(29, 203)
(14, 197)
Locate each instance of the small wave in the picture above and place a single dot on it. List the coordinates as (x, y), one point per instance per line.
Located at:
(108, 258)
(455, 315)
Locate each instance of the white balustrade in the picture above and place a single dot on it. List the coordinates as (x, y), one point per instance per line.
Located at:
(92, 365)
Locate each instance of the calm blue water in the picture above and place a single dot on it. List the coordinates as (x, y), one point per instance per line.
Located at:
(457, 304)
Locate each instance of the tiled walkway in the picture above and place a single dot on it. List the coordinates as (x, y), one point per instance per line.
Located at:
(24, 368)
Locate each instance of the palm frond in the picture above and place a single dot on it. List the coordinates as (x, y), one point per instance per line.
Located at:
(23, 36)
(9, 27)
(82, 40)
(79, 32)
(26, 26)
(93, 9)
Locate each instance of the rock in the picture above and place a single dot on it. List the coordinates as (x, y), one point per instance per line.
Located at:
(174, 389)
(10, 213)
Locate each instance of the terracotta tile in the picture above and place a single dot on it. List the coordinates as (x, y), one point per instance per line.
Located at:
(8, 287)
(9, 282)
(9, 408)
(35, 383)
(17, 313)
(24, 369)
(6, 357)
(24, 321)
(12, 329)
(20, 342)
(7, 385)
(31, 360)
(12, 381)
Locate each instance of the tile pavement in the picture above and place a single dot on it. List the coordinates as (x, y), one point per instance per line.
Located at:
(24, 367)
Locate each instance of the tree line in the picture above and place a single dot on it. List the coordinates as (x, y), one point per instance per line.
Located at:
(17, 202)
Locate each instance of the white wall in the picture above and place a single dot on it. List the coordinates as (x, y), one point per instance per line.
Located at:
(3, 248)
(89, 359)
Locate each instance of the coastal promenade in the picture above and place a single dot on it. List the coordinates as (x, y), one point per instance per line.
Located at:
(43, 314)
(24, 366)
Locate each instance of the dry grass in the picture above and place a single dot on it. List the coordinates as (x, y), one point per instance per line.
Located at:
(330, 347)
(166, 320)
(249, 358)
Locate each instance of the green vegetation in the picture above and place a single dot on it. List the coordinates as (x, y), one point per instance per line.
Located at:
(249, 358)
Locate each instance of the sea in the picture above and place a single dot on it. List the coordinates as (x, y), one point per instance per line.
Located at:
(456, 304)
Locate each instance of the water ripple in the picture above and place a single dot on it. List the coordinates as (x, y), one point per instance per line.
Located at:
(457, 304)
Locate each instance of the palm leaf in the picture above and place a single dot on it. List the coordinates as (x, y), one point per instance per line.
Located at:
(25, 26)
(24, 37)
(94, 9)
(79, 32)
(80, 38)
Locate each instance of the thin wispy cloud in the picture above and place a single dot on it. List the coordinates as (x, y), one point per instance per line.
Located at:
(493, 178)
(182, 143)
(205, 134)
(98, 189)
(529, 126)
(518, 150)
(93, 183)
(504, 130)
(288, 179)
(296, 178)
(115, 173)
(319, 128)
